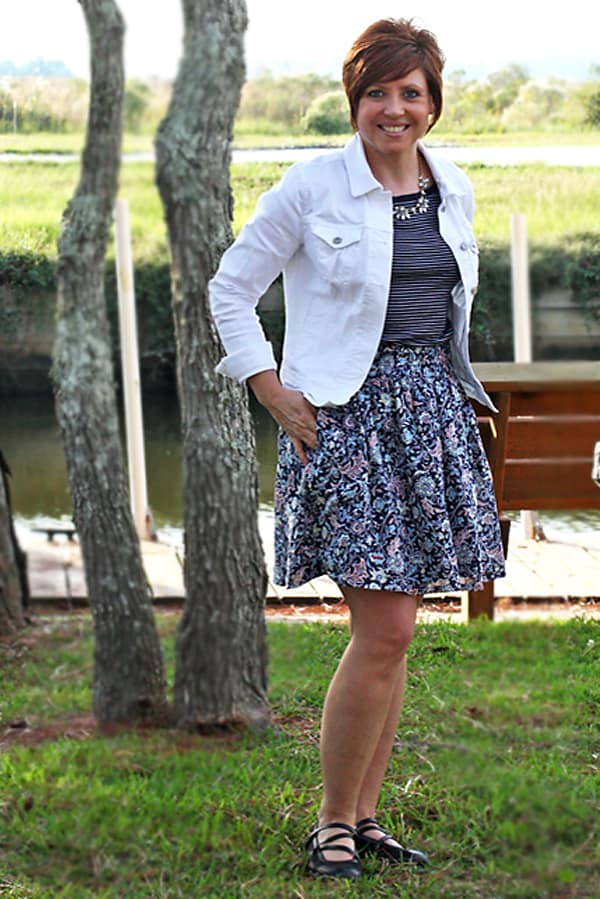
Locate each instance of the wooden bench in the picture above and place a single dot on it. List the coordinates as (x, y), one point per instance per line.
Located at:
(540, 444)
(51, 529)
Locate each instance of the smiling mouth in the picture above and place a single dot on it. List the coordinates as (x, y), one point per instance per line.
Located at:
(394, 129)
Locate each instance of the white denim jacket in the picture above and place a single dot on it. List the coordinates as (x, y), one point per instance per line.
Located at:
(328, 227)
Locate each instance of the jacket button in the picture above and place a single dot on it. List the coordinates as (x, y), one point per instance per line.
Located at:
(337, 240)
(473, 291)
(464, 245)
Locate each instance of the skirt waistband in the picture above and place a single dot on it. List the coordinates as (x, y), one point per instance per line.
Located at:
(410, 348)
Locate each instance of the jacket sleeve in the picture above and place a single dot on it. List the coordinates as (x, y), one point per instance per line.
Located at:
(250, 265)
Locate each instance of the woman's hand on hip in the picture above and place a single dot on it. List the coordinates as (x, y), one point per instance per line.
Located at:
(298, 419)
(290, 410)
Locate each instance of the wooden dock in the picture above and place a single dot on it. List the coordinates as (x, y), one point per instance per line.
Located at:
(564, 568)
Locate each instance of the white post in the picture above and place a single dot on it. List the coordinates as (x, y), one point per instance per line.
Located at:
(521, 306)
(131, 373)
(520, 288)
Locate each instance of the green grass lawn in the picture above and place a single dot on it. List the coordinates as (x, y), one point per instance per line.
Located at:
(495, 774)
(558, 202)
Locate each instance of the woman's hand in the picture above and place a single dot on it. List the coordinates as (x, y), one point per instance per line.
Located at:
(290, 410)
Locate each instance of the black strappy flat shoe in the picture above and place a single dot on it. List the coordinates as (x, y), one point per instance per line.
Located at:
(383, 848)
(320, 866)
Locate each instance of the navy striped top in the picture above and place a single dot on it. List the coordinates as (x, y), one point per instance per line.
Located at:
(424, 271)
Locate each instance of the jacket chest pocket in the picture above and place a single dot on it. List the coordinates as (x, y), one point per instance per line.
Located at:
(336, 251)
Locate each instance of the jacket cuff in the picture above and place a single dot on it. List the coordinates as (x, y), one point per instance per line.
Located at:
(243, 364)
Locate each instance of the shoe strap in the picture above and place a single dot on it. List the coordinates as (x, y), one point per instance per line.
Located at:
(330, 842)
(371, 824)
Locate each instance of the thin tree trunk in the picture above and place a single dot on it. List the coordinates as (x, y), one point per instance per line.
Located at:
(14, 590)
(221, 645)
(129, 680)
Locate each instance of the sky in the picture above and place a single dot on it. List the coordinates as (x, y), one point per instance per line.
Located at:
(313, 35)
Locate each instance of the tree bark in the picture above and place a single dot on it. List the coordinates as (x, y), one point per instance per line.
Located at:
(14, 590)
(129, 679)
(221, 643)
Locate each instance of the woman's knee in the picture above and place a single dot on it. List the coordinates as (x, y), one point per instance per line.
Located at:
(383, 623)
(389, 643)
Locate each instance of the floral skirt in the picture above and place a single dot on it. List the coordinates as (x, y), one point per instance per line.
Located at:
(398, 493)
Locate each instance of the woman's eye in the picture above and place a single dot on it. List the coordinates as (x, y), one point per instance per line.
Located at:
(375, 92)
(411, 93)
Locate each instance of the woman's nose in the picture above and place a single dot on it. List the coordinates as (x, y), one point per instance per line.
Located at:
(394, 106)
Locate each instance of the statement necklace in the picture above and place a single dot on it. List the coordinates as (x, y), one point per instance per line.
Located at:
(403, 213)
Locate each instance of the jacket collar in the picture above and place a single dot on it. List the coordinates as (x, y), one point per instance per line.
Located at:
(361, 178)
(448, 177)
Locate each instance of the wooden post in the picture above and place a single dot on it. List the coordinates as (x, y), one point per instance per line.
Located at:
(520, 288)
(521, 304)
(130, 366)
(478, 603)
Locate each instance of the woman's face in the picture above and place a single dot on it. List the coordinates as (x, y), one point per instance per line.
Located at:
(393, 115)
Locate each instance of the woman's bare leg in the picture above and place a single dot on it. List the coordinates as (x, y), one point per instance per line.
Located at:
(373, 779)
(362, 701)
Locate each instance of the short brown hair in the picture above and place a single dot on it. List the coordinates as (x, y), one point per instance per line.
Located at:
(390, 49)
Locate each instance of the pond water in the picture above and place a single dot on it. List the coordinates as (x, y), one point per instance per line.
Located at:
(570, 155)
(561, 155)
(31, 443)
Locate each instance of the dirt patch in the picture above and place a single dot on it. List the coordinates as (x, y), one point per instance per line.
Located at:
(21, 732)
(338, 611)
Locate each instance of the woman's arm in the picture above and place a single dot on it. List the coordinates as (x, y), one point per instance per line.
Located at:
(265, 245)
(247, 268)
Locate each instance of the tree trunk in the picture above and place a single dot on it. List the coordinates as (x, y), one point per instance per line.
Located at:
(129, 680)
(221, 643)
(14, 590)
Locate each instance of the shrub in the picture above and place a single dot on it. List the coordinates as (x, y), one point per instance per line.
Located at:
(328, 114)
(282, 100)
(592, 109)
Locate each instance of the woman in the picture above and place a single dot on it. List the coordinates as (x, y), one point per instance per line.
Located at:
(382, 482)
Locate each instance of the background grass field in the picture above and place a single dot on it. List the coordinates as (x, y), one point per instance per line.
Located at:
(558, 201)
